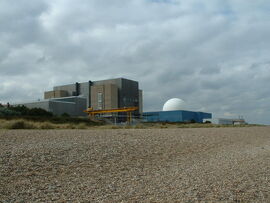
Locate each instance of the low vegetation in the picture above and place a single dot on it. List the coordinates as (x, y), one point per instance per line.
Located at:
(85, 123)
(171, 125)
(19, 123)
(20, 117)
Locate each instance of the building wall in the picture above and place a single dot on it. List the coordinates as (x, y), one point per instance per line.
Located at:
(128, 91)
(116, 82)
(74, 106)
(55, 94)
(227, 121)
(40, 104)
(48, 94)
(85, 91)
(111, 96)
(175, 116)
(60, 93)
(70, 89)
(116, 93)
(97, 97)
(140, 102)
(104, 96)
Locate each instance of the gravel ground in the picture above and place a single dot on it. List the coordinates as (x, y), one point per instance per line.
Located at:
(136, 165)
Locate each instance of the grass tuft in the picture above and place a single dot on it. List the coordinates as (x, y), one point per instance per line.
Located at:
(20, 124)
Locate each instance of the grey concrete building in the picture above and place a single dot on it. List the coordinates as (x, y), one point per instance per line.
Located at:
(74, 106)
(104, 94)
(227, 121)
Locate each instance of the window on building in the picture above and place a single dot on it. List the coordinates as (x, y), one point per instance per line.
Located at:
(100, 100)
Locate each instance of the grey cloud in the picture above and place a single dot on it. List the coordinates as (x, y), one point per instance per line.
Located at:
(213, 55)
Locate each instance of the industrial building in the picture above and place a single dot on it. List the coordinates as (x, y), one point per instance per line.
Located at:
(73, 99)
(73, 106)
(227, 121)
(176, 116)
(116, 99)
(172, 113)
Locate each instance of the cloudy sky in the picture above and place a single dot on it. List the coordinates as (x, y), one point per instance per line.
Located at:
(213, 54)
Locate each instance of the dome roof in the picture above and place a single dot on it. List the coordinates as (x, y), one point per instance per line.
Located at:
(173, 104)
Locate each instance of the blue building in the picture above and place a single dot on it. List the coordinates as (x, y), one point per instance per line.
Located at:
(176, 116)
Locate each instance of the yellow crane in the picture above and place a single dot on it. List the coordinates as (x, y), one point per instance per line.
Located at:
(128, 110)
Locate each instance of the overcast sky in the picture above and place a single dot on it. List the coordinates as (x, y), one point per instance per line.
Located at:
(215, 55)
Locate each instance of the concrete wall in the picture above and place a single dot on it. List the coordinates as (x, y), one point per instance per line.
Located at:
(117, 93)
(140, 102)
(40, 104)
(116, 82)
(48, 94)
(227, 121)
(70, 89)
(60, 93)
(85, 91)
(109, 96)
(128, 91)
(95, 90)
(74, 106)
(55, 94)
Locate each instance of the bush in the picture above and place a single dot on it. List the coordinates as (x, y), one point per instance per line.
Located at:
(81, 126)
(66, 115)
(8, 112)
(20, 125)
(47, 125)
(39, 112)
(24, 111)
(21, 109)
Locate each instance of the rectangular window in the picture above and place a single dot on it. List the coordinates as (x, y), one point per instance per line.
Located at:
(100, 100)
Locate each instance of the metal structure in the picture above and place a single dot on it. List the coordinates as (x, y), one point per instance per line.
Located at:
(176, 116)
(227, 121)
(92, 113)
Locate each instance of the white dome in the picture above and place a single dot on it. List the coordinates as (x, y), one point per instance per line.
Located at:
(173, 104)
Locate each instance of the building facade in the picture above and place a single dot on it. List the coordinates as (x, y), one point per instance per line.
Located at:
(73, 106)
(176, 116)
(103, 94)
(228, 121)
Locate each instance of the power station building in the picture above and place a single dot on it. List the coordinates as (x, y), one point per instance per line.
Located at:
(176, 116)
(172, 113)
(117, 93)
(73, 99)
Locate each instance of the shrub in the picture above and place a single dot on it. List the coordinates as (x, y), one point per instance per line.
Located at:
(81, 126)
(20, 124)
(47, 125)
(24, 111)
(8, 112)
(39, 112)
(65, 115)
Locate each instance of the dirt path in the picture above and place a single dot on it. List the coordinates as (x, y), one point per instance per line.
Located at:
(140, 165)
